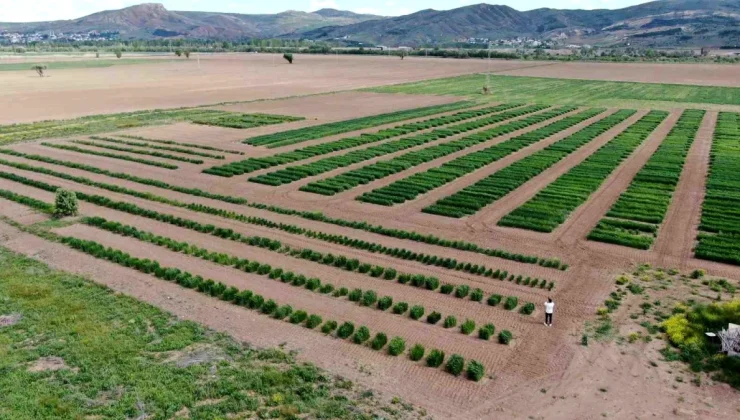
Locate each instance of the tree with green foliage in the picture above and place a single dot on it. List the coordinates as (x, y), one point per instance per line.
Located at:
(178, 53)
(118, 52)
(187, 53)
(288, 57)
(65, 203)
(39, 69)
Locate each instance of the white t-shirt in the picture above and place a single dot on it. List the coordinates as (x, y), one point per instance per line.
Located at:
(549, 307)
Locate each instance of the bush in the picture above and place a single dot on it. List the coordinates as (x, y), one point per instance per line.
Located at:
(467, 327)
(313, 321)
(505, 336)
(283, 311)
(434, 317)
(511, 303)
(435, 358)
(396, 346)
(369, 298)
(417, 352)
(355, 295)
(389, 274)
(400, 308)
(362, 335)
(476, 371)
(462, 291)
(447, 288)
(476, 295)
(486, 332)
(298, 316)
(450, 321)
(269, 307)
(417, 312)
(494, 299)
(65, 203)
(379, 341)
(328, 327)
(527, 309)
(346, 330)
(385, 303)
(455, 365)
(288, 57)
(432, 283)
(697, 274)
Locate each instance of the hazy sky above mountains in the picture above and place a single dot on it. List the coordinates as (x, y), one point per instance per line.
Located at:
(40, 10)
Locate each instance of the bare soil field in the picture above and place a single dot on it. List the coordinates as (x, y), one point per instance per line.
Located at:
(544, 372)
(684, 74)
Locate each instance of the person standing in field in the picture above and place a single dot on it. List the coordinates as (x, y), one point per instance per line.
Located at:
(549, 309)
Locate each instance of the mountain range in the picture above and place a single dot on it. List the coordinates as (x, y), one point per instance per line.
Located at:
(657, 23)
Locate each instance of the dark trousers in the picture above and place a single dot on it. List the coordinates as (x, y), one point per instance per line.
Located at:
(548, 319)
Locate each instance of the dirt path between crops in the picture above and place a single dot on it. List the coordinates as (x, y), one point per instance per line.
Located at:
(583, 219)
(681, 225)
(486, 171)
(491, 214)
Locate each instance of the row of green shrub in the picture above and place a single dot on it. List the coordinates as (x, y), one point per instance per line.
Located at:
(138, 151)
(243, 121)
(634, 219)
(308, 215)
(269, 307)
(299, 135)
(27, 201)
(368, 298)
(177, 143)
(552, 205)
(471, 199)
(257, 163)
(385, 168)
(110, 155)
(119, 175)
(719, 238)
(295, 173)
(157, 147)
(420, 183)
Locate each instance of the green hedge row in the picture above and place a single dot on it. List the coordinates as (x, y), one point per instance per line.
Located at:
(252, 301)
(27, 201)
(300, 135)
(157, 147)
(110, 155)
(719, 230)
(176, 143)
(551, 206)
(420, 183)
(634, 219)
(257, 163)
(308, 215)
(242, 121)
(138, 151)
(295, 173)
(385, 168)
(471, 199)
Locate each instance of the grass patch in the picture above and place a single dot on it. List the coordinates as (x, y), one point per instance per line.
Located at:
(79, 64)
(121, 358)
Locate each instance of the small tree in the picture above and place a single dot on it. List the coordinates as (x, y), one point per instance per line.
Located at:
(403, 54)
(187, 53)
(39, 70)
(65, 203)
(178, 53)
(118, 52)
(288, 57)
(97, 55)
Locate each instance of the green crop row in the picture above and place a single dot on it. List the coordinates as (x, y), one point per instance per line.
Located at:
(249, 300)
(157, 147)
(411, 187)
(243, 121)
(719, 238)
(372, 172)
(300, 135)
(27, 201)
(366, 298)
(119, 175)
(471, 199)
(295, 173)
(176, 143)
(138, 151)
(634, 219)
(257, 163)
(403, 254)
(308, 215)
(110, 155)
(551, 207)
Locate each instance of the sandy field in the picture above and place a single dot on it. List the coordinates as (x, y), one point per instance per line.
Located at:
(545, 373)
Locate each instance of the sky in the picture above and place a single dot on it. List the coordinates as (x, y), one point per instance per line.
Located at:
(40, 10)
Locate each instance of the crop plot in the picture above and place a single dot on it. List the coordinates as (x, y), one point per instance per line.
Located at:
(635, 218)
